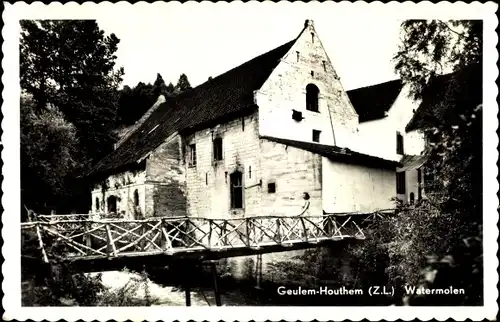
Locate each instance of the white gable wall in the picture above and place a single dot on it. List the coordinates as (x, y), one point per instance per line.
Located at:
(285, 90)
(352, 188)
(378, 137)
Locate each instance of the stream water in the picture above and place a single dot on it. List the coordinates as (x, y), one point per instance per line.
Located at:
(173, 296)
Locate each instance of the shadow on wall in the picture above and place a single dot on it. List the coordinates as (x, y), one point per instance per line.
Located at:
(169, 201)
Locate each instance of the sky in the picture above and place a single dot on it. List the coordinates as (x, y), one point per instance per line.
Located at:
(203, 41)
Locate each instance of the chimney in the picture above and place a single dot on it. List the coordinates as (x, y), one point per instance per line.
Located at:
(309, 23)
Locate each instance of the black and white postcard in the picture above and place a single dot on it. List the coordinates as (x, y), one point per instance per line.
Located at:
(250, 161)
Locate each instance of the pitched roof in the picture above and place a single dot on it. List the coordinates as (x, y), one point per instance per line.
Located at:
(372, 102)
(337, 154)
(228, 94)
(446, 95)
(409, 162)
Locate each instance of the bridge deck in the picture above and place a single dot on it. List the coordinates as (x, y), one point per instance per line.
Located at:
(88, 242)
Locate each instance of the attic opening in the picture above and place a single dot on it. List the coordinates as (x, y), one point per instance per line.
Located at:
(97, 205)
(312, 98)
(312, 37)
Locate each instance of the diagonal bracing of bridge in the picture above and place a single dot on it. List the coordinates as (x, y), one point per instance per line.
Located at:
(94, 243)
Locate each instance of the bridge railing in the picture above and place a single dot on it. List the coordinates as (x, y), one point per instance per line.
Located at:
(84, 236)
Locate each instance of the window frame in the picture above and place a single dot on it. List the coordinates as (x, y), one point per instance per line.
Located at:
(401, 183)
(192, 155)
(271, 187)
(400, 147)
(314, 133)
(312, 98)
(232, 187)
(136, 198)
(216, 148)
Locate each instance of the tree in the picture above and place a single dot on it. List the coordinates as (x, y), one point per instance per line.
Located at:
(171, 88)
(49, 144)
(183, 84)
(69, 65)
(134, 102)
(434, 237)
(160, 88)
(430, 48)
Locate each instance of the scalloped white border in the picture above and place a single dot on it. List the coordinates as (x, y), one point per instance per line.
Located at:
(11, 185)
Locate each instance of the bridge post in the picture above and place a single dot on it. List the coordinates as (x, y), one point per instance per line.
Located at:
(188, 266)
(210, 234)
(87, 237)
(278, 228)
(216, 287)
(187, 291)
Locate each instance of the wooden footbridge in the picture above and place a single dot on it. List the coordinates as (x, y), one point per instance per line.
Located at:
(96, 243)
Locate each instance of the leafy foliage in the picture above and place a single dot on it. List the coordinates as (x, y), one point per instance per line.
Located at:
(182, 84)
(136, 101)
(434, 47)
(69, 66)
(49, 144)
(429, 238)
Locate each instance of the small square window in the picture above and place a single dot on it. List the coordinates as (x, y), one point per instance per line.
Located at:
(316, 135)
(271, 187)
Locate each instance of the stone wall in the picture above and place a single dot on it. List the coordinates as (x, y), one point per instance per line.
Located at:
(208, 185)
(160, 185)
(122, 186)
(165, 179)
(285, 91)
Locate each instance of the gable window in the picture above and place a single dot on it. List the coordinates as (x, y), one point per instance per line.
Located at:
(400, 183)
(399, 144)
(217, 149)
(236, 181)
(312, 37)
(97, 206)
(271, 187)
(192, 155)
(298, 56)
(316, 134)
(312, 98)
(136, 198)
